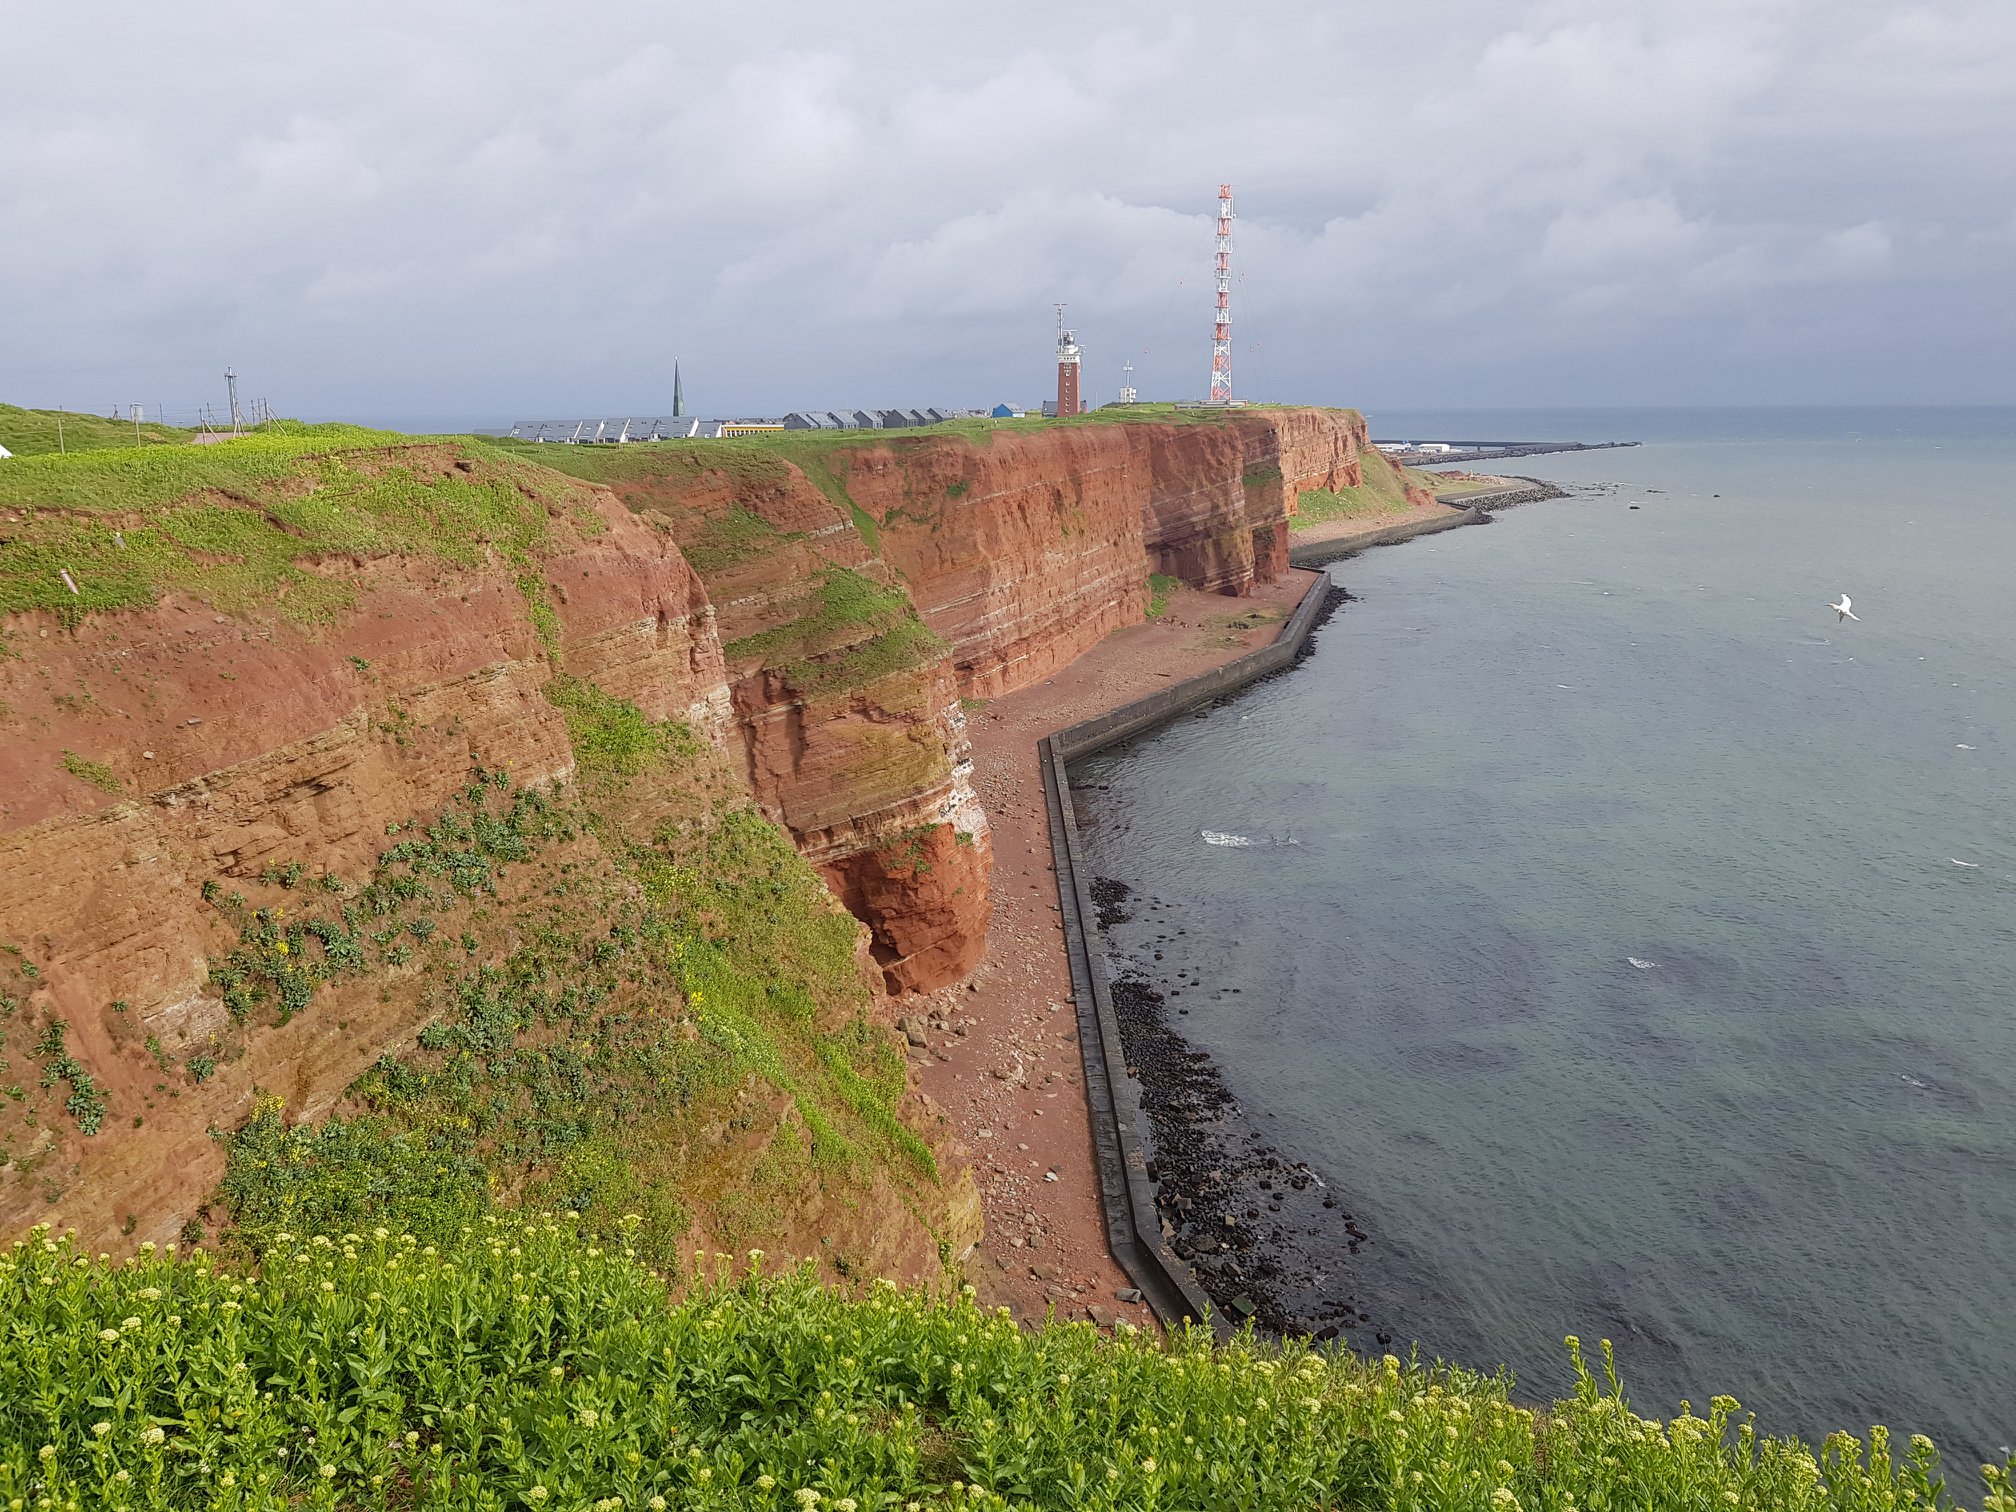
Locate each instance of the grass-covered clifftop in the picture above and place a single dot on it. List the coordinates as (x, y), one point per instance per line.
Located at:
(515, 1365)
(31, 432)
(248, 523)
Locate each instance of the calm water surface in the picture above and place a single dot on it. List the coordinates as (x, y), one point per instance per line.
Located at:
(1780, 1159)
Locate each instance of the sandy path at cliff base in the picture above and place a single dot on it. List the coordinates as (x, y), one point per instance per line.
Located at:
(1012, 1082)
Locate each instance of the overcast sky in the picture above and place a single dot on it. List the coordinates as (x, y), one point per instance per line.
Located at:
(503, 210)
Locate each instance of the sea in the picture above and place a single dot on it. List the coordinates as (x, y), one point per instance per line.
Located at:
(1629, 939)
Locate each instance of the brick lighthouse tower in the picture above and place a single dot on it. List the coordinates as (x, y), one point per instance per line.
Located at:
(1067, 368)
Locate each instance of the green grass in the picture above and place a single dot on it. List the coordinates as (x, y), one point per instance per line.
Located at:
(31, 432)
(516, 1365)
(129, 478)
(96, 773)
(610, 737)
(1320, 506)
(1160, 586)
(827, 468)
(241, 524)
(1384, 491)
(729, 540)
(649, 981)
(859, 632)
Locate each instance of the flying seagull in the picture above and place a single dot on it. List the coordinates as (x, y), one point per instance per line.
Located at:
(1843, 609)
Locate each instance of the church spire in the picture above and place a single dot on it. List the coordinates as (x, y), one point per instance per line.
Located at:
(678, 393)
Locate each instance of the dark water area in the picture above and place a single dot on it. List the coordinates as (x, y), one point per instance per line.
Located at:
(1601, 941)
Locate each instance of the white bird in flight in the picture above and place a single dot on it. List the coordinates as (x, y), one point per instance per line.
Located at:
(1843, 609)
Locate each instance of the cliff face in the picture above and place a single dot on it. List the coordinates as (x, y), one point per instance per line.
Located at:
(1017, 549)
(230, 744)
(1027, 550)
(201, 905)
(263, 673)
(845, 710)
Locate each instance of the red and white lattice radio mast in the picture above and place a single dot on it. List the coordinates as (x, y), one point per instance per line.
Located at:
(1221, 328)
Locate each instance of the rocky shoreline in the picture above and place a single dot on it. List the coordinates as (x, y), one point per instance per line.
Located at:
(1494, 501)
(1261, 1230)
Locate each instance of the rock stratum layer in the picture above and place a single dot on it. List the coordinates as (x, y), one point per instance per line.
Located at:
(228, 680)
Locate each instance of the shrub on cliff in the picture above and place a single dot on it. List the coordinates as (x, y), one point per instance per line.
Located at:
(520, 1367)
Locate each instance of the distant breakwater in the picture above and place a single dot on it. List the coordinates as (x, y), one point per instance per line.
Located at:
(1523, 490)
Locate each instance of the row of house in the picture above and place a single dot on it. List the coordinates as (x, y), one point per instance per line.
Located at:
(586, 432)
(691, 427)
(895, 419)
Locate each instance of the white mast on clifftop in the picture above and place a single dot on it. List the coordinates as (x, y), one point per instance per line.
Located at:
(1221, 328)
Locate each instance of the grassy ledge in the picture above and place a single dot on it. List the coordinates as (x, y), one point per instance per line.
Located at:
(860, 632)
(1384, 491)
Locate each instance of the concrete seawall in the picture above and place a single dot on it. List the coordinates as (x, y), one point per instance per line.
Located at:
(1113, 1099)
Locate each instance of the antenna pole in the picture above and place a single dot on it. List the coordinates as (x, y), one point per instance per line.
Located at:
(231, 383)
(1221, 327)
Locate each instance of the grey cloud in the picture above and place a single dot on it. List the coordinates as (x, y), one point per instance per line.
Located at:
(450, 209)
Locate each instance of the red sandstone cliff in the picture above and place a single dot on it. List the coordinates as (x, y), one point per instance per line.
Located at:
(246, 740)
(230, 741)
(820, 610)
(1019, 550)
